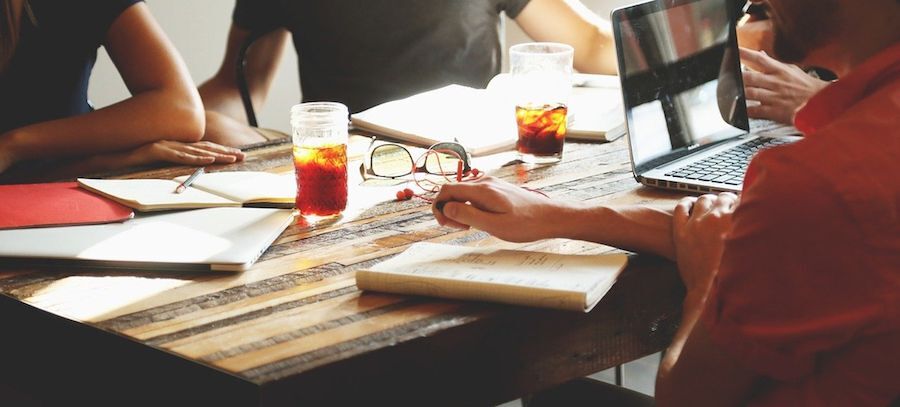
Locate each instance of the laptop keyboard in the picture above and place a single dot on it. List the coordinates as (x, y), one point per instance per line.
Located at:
(729, 166)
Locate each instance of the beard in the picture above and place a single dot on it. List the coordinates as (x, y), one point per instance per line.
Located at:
(786, 48)
(800, 28)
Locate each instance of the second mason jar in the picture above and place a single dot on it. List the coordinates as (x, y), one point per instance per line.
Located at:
(320, 157)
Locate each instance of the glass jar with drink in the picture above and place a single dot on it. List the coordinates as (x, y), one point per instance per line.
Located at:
(320, 157)
(542, 81)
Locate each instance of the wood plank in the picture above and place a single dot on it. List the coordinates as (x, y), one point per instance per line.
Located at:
(316, 321)
(257, 330)
(272, 354)
(203, 316)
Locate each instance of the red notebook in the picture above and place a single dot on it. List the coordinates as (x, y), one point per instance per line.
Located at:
(56, 204)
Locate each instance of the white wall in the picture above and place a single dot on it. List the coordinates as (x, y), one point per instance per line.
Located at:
(199, 28)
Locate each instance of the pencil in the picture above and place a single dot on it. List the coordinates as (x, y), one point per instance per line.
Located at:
(182, 186)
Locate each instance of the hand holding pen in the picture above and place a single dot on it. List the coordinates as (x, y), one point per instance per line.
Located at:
(190, 180)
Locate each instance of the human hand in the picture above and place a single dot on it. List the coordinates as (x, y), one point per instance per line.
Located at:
(199, 153)
(699, 227)
(756, 34)
(507, 211)
(779, 88)
(224, 130)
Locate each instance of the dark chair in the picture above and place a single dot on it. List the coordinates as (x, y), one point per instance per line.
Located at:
(272, 136)
(241, 69)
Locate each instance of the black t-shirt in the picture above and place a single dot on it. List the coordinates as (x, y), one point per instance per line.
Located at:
(47, 77)
(363, 53)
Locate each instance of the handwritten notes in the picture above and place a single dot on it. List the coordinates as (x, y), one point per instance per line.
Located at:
(575, 282)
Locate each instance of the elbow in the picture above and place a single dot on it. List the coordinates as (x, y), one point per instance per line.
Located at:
(598, 55)
(187, 119)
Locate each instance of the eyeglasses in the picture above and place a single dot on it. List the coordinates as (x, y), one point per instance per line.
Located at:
(394, 161)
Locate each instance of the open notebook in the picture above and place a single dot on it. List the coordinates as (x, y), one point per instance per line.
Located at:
(484, 121)
(218, 189)
(537, 279)
(218, 239)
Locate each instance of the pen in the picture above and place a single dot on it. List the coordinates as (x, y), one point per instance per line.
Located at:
(181, 187)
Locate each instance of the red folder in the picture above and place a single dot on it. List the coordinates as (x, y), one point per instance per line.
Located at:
(56, 204)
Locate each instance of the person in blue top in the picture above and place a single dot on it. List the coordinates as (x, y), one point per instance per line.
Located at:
(47, 51)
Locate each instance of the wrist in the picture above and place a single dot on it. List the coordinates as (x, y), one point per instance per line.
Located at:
(568, 220)
(9, 149)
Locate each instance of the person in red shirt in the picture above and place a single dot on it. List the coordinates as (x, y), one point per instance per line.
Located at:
(795, 284)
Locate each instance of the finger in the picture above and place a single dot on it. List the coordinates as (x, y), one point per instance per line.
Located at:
(448, 193)
(467, 215)
(682, 214)
(449, 221)
(182, 157)
(219, 157)
(754, 79)
(725, 202)
(703, 205)
(758, 60)
(218, 148)
(768, 112)
(759, 94)
(479, 194)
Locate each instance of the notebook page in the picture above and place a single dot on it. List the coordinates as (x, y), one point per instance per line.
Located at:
(249, 186)
(153, 194)
(573, 273)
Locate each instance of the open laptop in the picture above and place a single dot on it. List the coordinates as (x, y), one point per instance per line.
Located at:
(216, 239)
(683, 94)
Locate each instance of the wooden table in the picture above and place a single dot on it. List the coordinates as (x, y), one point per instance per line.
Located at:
(295, 329)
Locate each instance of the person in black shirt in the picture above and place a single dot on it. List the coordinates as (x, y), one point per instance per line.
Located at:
(47, 51)
(363, 53)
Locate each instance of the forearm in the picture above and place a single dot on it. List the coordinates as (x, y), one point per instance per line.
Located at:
(598, 52)
(221, 95)
(639, 229)
(144, 118)
(570, 22)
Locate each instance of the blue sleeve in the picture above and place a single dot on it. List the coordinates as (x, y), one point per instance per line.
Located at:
(102, 14)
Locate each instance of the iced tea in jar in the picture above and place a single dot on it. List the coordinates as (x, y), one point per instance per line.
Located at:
(542, 78)
(320, 157)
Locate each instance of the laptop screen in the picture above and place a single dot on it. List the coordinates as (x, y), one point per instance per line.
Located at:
(681, 77)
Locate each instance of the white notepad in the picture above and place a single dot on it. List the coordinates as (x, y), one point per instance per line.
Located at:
(219, 189)
(537, 279)
(219, 239)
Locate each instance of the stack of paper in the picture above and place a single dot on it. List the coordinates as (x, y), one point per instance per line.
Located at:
(484, 120)
(568, 282)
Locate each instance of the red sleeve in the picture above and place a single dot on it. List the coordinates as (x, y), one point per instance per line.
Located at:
(789, 285)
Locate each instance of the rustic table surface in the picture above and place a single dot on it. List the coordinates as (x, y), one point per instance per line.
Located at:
(295, 329)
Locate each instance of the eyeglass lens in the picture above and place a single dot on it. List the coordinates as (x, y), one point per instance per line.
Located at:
(391, 160)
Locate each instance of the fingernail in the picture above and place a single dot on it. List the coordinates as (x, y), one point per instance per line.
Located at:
(450, 212)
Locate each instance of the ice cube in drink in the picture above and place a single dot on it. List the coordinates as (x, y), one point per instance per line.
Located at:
(542, 132)
(321, 179)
